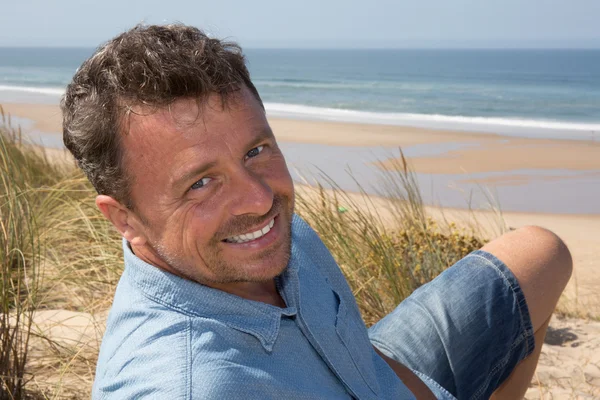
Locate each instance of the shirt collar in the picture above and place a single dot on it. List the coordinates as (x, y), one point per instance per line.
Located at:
(255, 318)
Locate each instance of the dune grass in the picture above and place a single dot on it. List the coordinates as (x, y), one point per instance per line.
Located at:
(20, 260)
(58, 252)
(386, 258)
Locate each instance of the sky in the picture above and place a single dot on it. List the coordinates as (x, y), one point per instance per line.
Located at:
(314, 23)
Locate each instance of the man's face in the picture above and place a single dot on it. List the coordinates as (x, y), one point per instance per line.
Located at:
(212, 189)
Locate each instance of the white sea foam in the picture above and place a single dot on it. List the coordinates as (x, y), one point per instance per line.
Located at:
(325, 85)
(508, 126)
(514, 126)
(52, 91)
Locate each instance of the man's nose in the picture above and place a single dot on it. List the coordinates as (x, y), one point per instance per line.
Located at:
(249, 194)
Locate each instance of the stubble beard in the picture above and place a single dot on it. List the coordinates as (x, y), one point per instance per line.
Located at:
(225, 271)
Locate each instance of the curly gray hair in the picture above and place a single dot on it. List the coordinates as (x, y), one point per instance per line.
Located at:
(147, 65)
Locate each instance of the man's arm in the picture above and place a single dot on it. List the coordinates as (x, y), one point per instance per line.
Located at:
(412, 381)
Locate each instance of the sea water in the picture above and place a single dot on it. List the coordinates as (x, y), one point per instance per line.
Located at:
(531, 93)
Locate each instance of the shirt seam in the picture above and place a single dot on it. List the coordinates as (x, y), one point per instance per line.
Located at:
(357, 364)
(158, 300)
(188, 363)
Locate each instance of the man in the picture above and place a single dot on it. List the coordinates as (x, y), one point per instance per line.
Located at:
(227, 294)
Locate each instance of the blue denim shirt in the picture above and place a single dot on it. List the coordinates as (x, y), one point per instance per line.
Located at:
(172, 338)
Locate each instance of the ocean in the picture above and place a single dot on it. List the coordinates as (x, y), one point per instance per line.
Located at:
(531, 93)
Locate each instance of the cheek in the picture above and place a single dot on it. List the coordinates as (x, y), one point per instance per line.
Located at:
(278, 173)
(202, 221)
(185, 228)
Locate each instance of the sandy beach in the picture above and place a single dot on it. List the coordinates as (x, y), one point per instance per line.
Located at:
(486, 152)
(45, 117)
(515, 163)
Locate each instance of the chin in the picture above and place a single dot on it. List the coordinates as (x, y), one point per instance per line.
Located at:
(271, 265)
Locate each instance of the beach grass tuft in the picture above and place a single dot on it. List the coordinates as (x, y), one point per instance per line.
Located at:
(20, 260)
(384, 258)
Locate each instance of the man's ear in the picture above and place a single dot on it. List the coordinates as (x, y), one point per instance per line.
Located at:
(126, 222)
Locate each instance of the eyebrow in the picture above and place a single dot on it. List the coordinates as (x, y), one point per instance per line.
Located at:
(188, 176)
(264, 134)
(201, 169)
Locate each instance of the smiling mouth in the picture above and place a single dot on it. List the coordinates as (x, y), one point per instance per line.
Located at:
(250, 236)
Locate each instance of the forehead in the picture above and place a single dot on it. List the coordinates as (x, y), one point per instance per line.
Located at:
(166, 139)
(187, 121)
(189, 118)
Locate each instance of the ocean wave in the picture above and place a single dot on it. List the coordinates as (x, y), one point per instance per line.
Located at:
(505, 125)
(502, 125)
(300, 84)
(349, 85)
(53, 91)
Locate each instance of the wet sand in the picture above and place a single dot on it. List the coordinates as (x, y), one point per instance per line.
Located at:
(506, 154)
(478, 152)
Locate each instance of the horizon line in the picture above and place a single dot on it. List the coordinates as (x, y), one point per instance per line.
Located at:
(340, 48)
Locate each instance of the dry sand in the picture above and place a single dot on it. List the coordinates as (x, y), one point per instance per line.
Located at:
(46, 117)
(567, 370)
(581, 233)
(569, 366)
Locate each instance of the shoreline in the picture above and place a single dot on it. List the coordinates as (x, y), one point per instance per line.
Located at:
(454, 169)
(47, 119)
(537, 126)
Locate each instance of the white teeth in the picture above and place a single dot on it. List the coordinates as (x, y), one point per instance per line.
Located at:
(246, 237)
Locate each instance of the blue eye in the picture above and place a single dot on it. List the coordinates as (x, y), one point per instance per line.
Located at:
(254, 152)
(201, 183)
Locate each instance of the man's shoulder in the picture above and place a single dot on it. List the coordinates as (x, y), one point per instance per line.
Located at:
(145, 349)
(151, 349)
(161, 353)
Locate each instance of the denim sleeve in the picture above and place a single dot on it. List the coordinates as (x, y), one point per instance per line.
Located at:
(467, 329)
